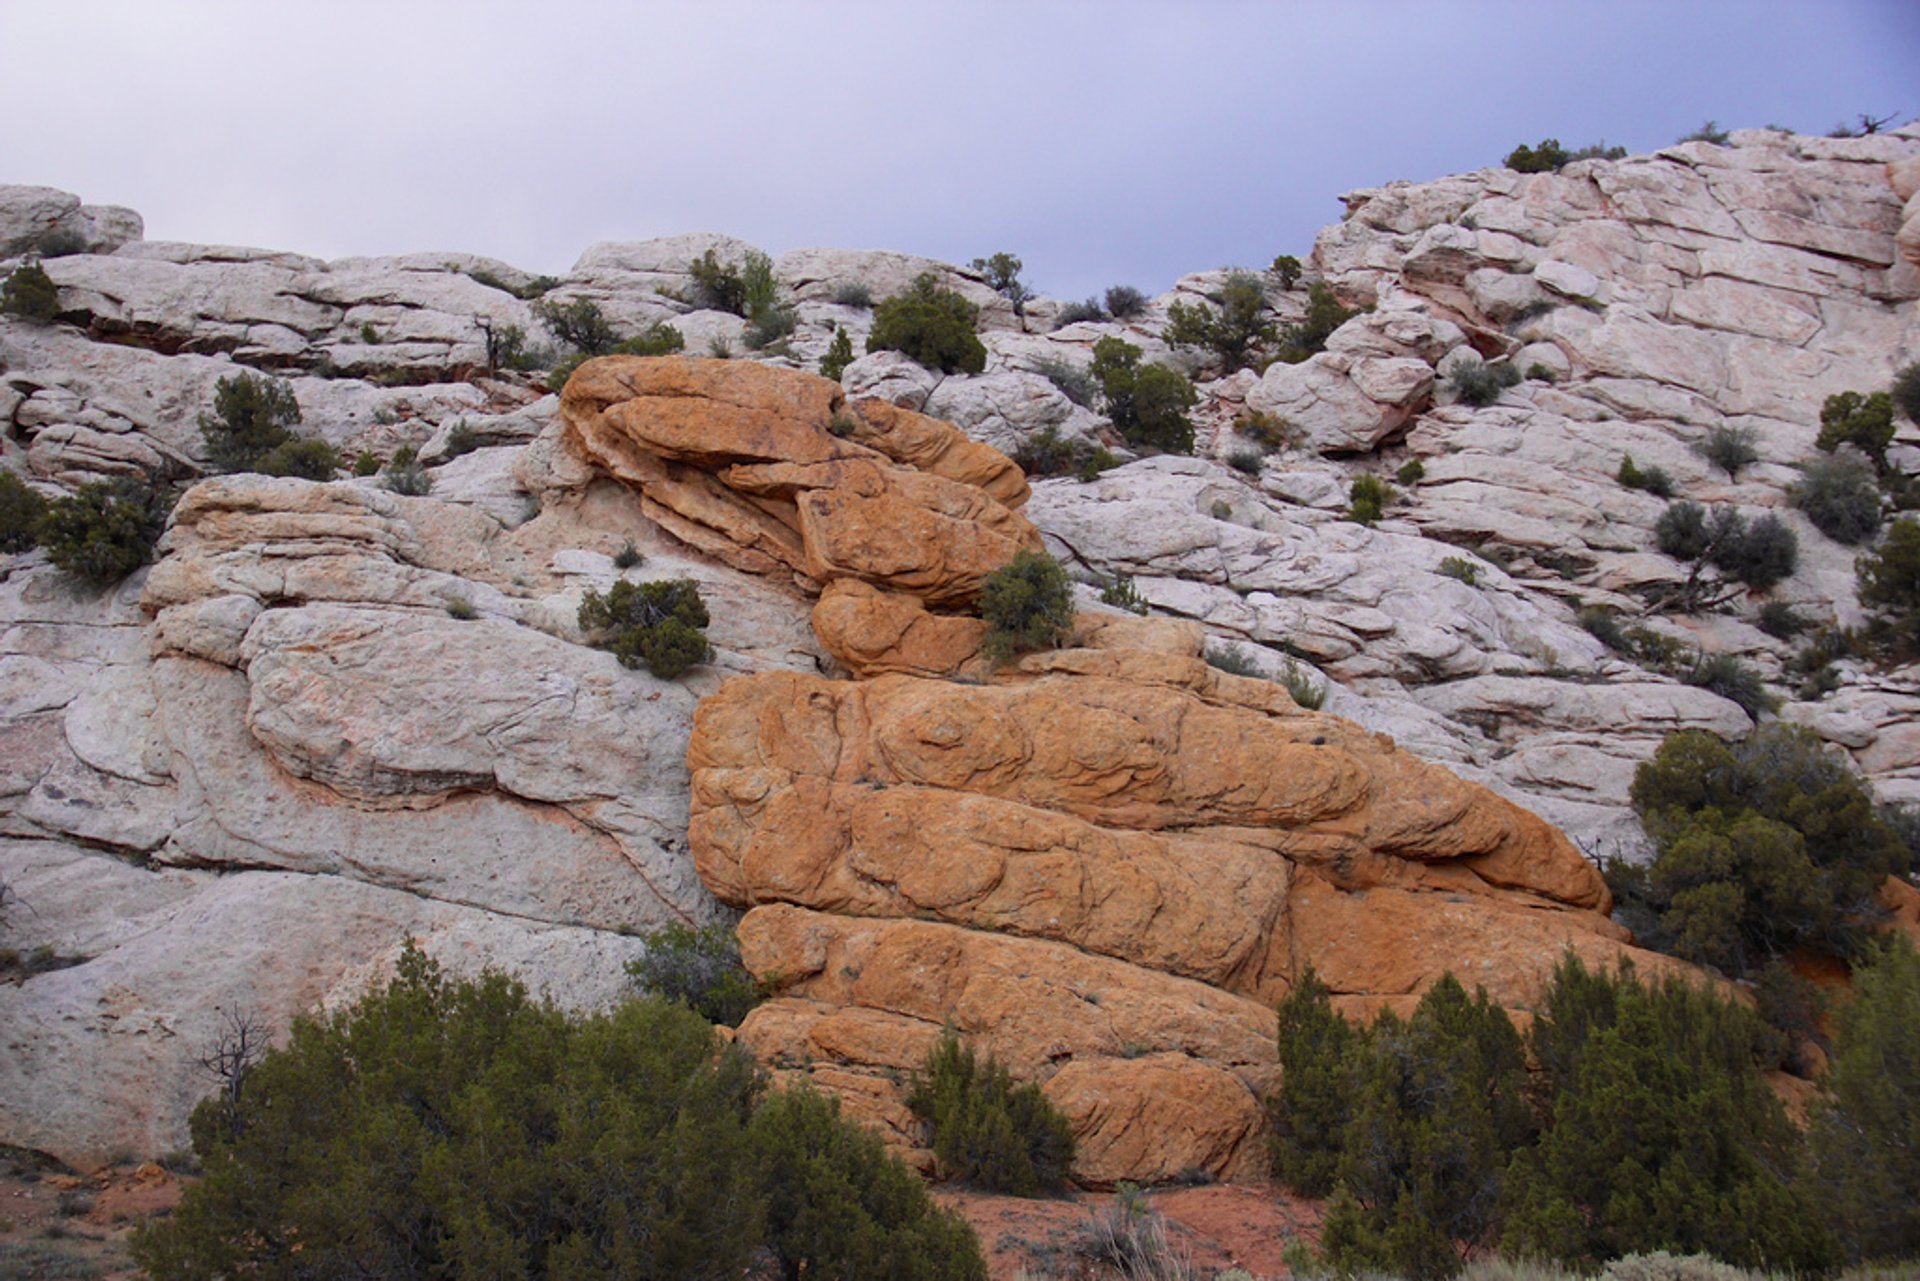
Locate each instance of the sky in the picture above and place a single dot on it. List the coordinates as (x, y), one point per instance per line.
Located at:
(1103, 142)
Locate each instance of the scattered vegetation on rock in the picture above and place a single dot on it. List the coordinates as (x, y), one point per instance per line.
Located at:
(406, 474)
(1367, 498)
(1148, 404)
(580, 324)
(1480, 383)
(253, 415)
(30, 293)
(1231, 329)
(660, 625)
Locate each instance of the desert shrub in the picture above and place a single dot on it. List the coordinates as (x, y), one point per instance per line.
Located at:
(660, 339)
(1231, 660)
(461, 440)
(931, 325)
(1411, 1123)
(1729, 449)
(306, 458)
(1865, 422)
(698, 968)
(1682, 531)
(1048, 453)
(1548, 156)
(1761, 846)
(718, 286)
(1660, 1132)
(405, 474)
(660, 625)
(1709, 131)
(104, 530)
(534, 288)
(840, 1207)
(1098, 460)
(1130, 1237)
(1461, 568)
(1072, 381)
(1661, 1266)
(1865, 1131)
(1268, 430)
(1780, 620)
(1759, 554)
(1231, 328)
(1287, 267)
(628, 556)
(1324, 314)
(1652, 480)
(1246, 461)
(1120, 592)
(1147, 403)
(1906, 391)
(21, 511)
(1075, 313)
(839, 354)
(1597, 151)
(1889, 587)
(1124, 302)
(251, 416)
(1840, 496)
(366, 463)
(1734, 680)
(1367, 498)
(1027, 604)
(769, 326)
(579, 324)
(30, 294)
(987, 1131)
(1480, 383)
(1002, 272)
(442, 1127)
(854, 293)
(1411, 472)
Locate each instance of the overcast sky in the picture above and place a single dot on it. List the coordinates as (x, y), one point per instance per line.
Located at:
(1104, 142)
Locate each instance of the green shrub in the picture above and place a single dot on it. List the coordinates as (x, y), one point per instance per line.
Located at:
(563, 370)
(1412, 1123)
(661, 625)
(1411, 472)
(1147, 403)
(1865, 422)
(660, 339)
(1324, 315)
(461, 440)
(1729, 449)
(579, 324)
(1710, 131)
(1246, 461)
(105, 530)
(1761, 846)
(1545, 158)
(932, 326)
(1120, 592)
(1652, 480)
(1027, 605)
(628, 556)
(1367, 498)
(1268, 430)
(30, 294)
(1231, 329)
(1075, 313)
(453, 1128)
(21, 511)
(366, 463)
(1099, 460)
(1287, 267)
(838, 1205)
(1735, 681)
(306, 458)
(1906, 391)
(768, 327)
(718, 286)
(461, 608)
(1232, 660)
(1047, 453)
(1840, 496)
(1071, 380)
(1124, 302)
(1889, 587)
(406, 475)
(839, 354)
(1865, 1131)
(1479, 383)
(1780, 620)
(1760, 554)
(854, 294)
(1003, 277)
(252, 415)
(987, 1131)
(1461, 568)
(1661, 1133)
(700, 969)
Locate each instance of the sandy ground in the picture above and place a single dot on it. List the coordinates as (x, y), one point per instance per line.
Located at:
(57, 1226)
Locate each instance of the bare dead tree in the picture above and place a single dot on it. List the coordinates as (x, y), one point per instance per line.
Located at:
(240, 1045)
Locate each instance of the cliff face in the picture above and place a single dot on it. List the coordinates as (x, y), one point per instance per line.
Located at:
(235, 782)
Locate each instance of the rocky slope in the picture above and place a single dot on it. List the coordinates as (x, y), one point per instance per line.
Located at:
(238, 780)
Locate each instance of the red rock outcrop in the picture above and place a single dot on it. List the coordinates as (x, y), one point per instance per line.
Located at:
(769, 470)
